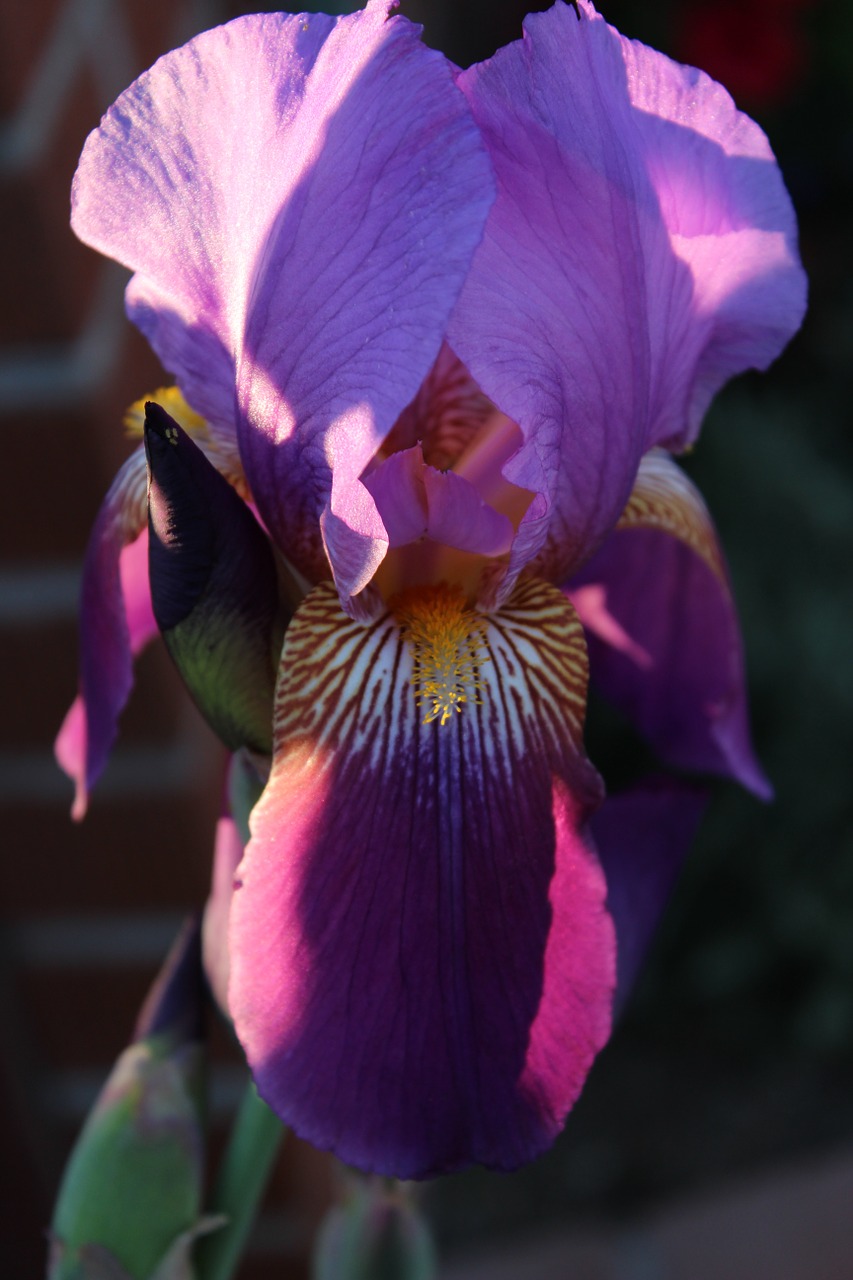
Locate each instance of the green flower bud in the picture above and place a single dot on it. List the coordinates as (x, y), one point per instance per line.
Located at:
(377, 1234)
(129, 1204)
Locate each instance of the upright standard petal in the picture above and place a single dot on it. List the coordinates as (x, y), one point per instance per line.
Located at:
(300, 198)
(422, 964)
(641, 251)
(729, 221)
(552, 320)
(662, 629)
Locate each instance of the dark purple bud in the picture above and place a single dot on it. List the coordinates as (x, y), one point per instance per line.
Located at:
(174, 1006)
(214, 586)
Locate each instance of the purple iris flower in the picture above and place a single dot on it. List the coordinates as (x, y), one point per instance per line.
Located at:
(442, 330)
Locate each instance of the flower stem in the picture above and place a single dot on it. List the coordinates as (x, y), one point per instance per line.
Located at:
(242, 1177)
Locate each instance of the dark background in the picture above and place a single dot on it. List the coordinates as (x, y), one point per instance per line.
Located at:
(736, 1052)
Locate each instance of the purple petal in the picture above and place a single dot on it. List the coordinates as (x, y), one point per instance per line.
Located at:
(116, 622)
(397, 488)
(458, 516)
(643, 836)
(300, 198)
(640, 252)
(417, 501)
(174, 1006)
(662, 629)
(421, 964)
(730, 222)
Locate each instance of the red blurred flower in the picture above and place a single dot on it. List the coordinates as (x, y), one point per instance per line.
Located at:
(756, 48)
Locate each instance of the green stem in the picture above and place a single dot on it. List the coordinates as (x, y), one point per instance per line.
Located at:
(242, 1177)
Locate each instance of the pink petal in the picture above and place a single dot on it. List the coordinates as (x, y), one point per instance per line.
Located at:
(227, 852)
(421, 963)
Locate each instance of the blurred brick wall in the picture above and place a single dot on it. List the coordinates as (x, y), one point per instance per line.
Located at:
(87, 910)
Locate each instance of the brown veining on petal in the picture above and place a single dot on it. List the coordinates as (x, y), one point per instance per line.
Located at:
(444, 416)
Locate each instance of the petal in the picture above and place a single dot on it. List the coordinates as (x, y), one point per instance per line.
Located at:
(640, 252)
(643, 836)
(662, 629)
(227, 852)
(116, 622)
(300, 198)
(417, 501)
(397, 488)
(232, 833)
(422, 965)
(458, 516)
(730, 222)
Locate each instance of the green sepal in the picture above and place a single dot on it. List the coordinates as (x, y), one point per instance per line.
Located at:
(131, 1192)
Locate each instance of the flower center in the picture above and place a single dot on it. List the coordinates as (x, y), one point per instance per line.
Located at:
(447, 639)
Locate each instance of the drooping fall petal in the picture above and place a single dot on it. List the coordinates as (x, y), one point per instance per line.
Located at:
(422, 965)
(640, 252)
(116, 622)
(300, 198)
(662, 629)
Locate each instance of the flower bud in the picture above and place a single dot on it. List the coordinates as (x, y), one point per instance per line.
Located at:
(377, 1235)
(214, 586)
(129, 1204)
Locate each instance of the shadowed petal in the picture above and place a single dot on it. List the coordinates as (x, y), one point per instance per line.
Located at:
(662, 629)
(643, 836)
(421, 963)
(116, 622)
(300, 198)
(640, 252)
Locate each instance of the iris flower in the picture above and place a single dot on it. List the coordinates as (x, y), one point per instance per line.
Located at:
(441, 332)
